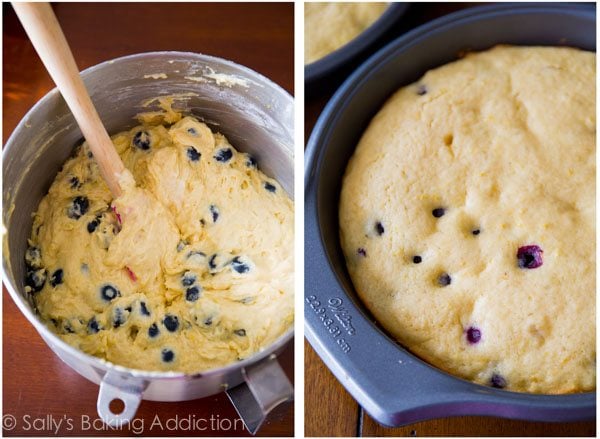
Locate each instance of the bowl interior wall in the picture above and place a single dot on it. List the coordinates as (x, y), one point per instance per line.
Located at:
(253, 114)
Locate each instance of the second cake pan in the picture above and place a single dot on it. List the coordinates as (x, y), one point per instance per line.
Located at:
(394, 386)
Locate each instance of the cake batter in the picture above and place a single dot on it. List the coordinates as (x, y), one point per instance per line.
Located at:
(191, 269)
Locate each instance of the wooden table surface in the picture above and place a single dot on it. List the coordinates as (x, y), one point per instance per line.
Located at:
(39, 390)
(329, 409)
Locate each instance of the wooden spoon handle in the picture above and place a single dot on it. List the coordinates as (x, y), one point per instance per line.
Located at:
(47, 37)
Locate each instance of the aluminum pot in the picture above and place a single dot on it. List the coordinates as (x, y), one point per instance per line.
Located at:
(255, 115)
(394, 386)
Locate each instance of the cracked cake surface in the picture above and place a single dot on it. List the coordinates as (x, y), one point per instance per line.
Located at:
(467, 218)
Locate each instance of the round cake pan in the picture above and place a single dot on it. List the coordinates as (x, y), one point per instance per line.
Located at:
(320, 69)
(255, 115)
(394, 386)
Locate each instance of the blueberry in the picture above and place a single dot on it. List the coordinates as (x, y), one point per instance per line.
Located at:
(93, 326)
(35, 279)
(417, 259)
(188, 279)
(192, 294)
(422, 90)
(68, 328)
(56, 278)
(498, 381)
(239, 266)
(171, 323)
(143, 309)
(119, 317)
(361, 251)
(108, 292)
(444, 280)
(530, 256)
(240, 332)
(93, 225)
(192, 131)
(211, 262)
(75, 183)
(193, 154)
(153, 330)
(379, 228)
(195, 253)
(33, 257)
(475, 232)
(438, 212)
(473, 335)
(79, 207)
(251, 162)
(208, 321)
(214, 212)
(223, 155)
(270, 187)
(141, 140)
(167, 355)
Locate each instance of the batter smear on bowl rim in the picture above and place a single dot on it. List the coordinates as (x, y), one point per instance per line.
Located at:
(467, 218)
(192, 269)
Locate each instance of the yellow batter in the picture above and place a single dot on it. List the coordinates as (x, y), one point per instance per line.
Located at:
(188, 271)
(329, 26)
(467, 218)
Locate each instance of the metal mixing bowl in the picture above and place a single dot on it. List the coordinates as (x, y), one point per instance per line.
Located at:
(255, 115)
(394, 386)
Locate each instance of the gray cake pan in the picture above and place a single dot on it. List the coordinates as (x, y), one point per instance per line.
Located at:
(322, 68)
(392, 385)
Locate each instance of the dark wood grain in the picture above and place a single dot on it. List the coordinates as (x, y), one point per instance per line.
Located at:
(480, 426)
(329, 409)
(260, 36)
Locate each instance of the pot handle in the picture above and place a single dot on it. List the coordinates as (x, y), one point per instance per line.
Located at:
(117, 387)
(265, 387)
